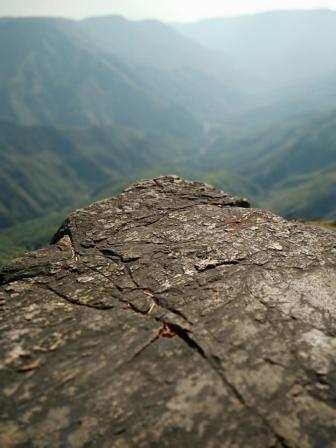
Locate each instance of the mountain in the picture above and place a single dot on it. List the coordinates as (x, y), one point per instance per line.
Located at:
(148, 75)
(286, 149)
(287, 58)
(46, 169)
(86, 107)
(146, 42)
(277, 48)
(308, 196)
(50, 76)
(107, 71)
(176, 66)
(45, 172)
(292, 163)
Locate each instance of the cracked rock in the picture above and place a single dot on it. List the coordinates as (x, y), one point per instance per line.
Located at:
(172, 315)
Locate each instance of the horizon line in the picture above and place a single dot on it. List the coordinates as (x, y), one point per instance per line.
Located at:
(155, 19)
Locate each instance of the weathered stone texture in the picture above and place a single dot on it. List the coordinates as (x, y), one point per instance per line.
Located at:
(171, 316)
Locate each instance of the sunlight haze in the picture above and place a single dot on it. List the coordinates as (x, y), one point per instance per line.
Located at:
(166, 10)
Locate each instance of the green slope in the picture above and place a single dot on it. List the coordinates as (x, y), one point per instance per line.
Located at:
(288, 155)
(50, 75)
(110, 70)
(45, 169)
(299, 148)
(29, 236)
(305, 197)
(278, 48)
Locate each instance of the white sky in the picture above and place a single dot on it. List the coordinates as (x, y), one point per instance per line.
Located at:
(166, 10)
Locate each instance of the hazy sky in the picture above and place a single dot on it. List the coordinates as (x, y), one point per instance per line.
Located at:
(168, 10)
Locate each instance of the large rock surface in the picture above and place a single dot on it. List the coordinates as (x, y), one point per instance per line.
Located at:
(171, 316)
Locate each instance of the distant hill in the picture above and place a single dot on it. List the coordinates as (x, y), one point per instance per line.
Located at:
(147, 42)
(107, 71)
(285, 60)
(310, 196)
(49, 75)
(46, 169)
(152, 76)
(278, 48)
(293, 163)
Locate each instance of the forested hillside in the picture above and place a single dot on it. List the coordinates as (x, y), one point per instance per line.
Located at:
(45, 169)
(64, 72)
(281, 52)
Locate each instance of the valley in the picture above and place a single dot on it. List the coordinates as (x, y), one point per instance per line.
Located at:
(87, 107)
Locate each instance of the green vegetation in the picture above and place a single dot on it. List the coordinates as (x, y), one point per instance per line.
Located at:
(46, 169)
(29, 236)
(312, 196)
(58, 71)
(290, 168)
(9, 250)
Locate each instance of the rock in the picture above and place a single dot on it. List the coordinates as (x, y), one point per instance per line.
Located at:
(171, 316)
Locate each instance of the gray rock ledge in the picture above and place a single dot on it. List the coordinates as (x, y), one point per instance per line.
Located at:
(171, 316)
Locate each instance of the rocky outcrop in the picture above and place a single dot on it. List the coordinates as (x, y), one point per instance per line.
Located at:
(173, 316)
